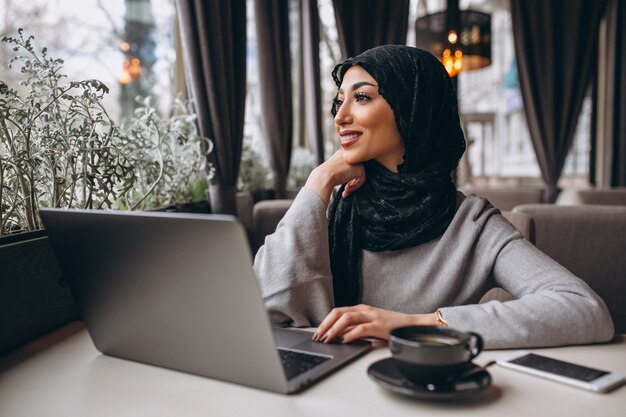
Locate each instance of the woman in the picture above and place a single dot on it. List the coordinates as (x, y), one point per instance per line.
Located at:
(399, 246)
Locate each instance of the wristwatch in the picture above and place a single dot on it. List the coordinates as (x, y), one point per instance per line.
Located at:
(440, 320)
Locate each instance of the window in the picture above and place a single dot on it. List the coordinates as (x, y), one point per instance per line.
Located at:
(129, 45)
(500, 151)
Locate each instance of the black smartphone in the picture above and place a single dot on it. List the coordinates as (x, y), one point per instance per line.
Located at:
(564, 372)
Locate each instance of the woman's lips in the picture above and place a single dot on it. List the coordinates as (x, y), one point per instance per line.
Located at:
(349, 138)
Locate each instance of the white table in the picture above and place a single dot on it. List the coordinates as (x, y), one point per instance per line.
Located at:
(62, 374)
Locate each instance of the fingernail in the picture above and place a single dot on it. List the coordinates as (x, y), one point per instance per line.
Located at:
(323, 339)
(315, 336)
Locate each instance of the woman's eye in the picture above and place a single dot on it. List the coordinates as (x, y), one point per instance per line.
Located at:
(337, 104)
(361, 97)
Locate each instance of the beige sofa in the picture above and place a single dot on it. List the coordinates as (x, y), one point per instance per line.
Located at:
(590, 241)
(598, 196)
(506, 198)
(266, 215)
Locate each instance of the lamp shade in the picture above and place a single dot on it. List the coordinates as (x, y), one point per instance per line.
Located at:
(464, 48)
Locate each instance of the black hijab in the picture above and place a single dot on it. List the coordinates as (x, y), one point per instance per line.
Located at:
(394, 211)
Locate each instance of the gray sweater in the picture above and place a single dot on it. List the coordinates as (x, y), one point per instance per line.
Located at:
(479, 250)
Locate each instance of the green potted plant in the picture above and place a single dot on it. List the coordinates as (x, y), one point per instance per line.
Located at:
(303, 161)
(60, 148)
(254, 172)
(169, 160)
(253, 184)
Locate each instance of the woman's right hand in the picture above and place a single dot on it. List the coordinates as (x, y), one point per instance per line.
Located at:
(335, 171)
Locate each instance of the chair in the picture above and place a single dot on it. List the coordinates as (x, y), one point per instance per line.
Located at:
(590, 241)
(597, 196)
(521, 221)
(506, 198)
(265, 217)
(267, 214)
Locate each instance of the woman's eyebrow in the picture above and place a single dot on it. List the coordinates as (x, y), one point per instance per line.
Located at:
(359, 84)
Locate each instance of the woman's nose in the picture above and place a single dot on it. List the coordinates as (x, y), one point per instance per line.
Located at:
(343, 115)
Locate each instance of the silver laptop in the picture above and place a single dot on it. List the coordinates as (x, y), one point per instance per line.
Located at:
(178, 291)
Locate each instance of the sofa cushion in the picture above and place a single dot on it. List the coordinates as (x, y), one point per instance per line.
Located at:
(265, 217)
(609, 196)
(590, 241)
(507, 198)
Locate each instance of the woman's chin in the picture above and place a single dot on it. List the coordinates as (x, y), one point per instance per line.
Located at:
(353, 158)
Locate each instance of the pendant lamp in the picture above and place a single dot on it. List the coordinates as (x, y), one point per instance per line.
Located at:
(461, 39)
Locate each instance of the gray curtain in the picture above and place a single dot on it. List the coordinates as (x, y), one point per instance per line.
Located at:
(214, 51)
(311, 71)
(554, 45)
(364, 24)
(615, 120)
(272, 28)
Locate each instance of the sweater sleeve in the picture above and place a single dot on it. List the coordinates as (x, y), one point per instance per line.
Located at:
(551, 306)
(293, 265)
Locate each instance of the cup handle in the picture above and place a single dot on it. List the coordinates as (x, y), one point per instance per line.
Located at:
(476, 344)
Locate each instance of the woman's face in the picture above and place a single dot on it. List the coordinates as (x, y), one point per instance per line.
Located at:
(365, 122)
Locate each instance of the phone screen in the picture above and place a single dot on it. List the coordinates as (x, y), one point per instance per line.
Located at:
(558, 367)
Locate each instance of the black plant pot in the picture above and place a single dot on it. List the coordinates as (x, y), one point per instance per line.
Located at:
(260, 195)
(34, 298)
(198, 207)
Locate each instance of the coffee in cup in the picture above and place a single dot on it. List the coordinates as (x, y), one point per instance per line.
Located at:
(433, 354)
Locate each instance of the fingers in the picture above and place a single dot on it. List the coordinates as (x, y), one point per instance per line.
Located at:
(341, 320)
(360, 331)
(346, 321)
(351, 323)
(329, 321)
(344, 172)
(353, 185)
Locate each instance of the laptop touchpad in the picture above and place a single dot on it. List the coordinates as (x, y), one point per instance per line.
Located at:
(290, 337)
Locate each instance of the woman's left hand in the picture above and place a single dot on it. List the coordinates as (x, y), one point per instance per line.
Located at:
(354, 322)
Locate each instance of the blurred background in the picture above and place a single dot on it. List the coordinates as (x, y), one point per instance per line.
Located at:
(136, 48)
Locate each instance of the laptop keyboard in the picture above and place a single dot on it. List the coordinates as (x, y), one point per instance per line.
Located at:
(296, 363)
